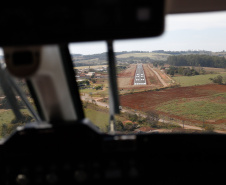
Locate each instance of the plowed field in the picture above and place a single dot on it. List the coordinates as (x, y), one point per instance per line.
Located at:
(150, 100)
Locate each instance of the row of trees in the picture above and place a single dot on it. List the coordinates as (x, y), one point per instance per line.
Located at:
(185, 71)
(183, 52)
(82, 83)
(197, 60)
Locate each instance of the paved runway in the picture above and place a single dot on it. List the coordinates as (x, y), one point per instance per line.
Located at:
(139, 78)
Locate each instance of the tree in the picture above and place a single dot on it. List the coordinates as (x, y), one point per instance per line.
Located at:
(224, 79)
(197, 60)
(94, 80)
(180, 70)
(218, 80)
(92, 70)
(152, 118)
(99, 87)
(172, 73)
(119, 125)
(141, 120)
(87, 82)
(129, 126)
(133, 117)
(187, 72)
(202, 71)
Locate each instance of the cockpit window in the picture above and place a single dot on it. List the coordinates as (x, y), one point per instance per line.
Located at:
(13, 109)
(91, 69)
(172, 83)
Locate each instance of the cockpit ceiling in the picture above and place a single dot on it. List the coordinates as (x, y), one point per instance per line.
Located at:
(192, 6)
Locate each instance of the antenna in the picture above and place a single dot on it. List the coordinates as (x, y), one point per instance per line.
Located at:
(113, 89)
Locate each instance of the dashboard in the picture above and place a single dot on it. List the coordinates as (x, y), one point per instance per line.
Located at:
(78, 154)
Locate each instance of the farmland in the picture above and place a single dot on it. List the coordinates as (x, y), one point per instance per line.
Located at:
(194, 99)
(195, 104)
(203, 109)
(195, 80)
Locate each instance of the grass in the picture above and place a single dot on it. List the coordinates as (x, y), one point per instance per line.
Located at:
(222, 95)
(6, 116)
(194, 80)
(98, 118)
(87, 90)
(99, 82)
(195, 109)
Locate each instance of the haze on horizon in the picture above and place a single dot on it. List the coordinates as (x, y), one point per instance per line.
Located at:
(199, 31)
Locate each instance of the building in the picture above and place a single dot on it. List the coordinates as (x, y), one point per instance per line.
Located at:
(90, 74)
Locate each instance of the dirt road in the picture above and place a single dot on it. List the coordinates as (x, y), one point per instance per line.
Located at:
(159, 77)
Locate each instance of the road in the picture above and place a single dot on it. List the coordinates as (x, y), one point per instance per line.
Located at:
(159, 77)
(139, 78)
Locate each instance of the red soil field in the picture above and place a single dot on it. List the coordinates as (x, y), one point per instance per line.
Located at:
(148, 100)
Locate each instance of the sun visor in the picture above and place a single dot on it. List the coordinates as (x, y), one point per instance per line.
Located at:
(81, 21)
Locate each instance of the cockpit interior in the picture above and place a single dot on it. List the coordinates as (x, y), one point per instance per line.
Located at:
(60, 144)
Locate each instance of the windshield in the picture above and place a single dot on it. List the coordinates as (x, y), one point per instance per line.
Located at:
(172, 83)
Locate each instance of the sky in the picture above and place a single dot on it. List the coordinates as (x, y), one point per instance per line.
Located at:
(199, 31)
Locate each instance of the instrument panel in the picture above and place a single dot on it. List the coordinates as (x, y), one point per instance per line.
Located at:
(78, 154)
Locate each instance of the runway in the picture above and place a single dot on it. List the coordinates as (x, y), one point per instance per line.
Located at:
(139, 78)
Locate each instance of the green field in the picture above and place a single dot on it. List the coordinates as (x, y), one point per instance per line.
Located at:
(6, 116)
(87, 90)
(211, 108)
(195, 80)
(99, 118)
